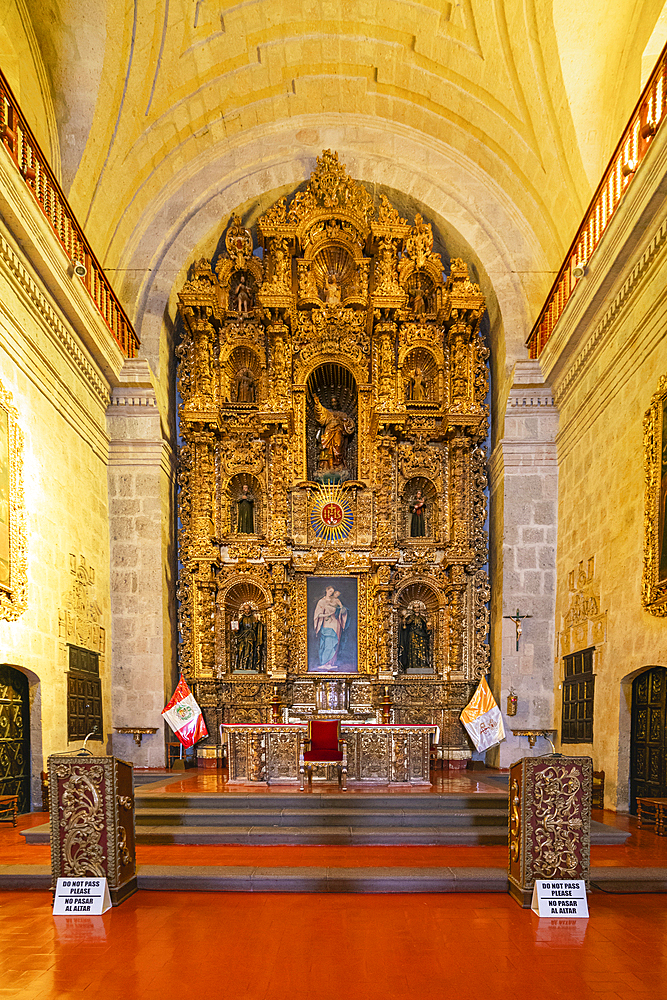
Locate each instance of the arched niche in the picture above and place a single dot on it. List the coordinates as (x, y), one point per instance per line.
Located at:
(243, 289)
(421, 378)
(419, 600)
(240, 596)
(421, 293)
(409, 496)
(336, 388)
(233, 494)
(334, 273)
(242, 377)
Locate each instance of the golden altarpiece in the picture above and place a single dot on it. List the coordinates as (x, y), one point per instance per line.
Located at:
(332, 472)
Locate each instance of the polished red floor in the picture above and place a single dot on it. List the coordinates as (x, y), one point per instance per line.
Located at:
(271, 946)
(642, 849)
(332, 947)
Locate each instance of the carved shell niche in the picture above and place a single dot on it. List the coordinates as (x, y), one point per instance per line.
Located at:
(423, 360)
(241, 360)
(335, 260)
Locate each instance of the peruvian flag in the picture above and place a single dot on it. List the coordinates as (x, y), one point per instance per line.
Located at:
(482, 719)
(184, 716)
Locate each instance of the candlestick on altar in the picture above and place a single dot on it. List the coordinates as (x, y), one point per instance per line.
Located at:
(386, 706)
(275, 705)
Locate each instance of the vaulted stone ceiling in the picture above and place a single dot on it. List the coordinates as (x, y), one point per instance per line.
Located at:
(496, 116)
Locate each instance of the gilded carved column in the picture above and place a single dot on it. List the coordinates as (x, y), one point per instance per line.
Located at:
(364, 434)
(382, 602)
(206, 382)
(204, 558)
(383, 472)
(456, 594)
(459, 454)
(280, 353)
(384, 333)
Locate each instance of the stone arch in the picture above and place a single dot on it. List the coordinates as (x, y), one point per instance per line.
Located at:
(484, 226)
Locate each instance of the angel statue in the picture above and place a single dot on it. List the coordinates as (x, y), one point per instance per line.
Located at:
(337, 427)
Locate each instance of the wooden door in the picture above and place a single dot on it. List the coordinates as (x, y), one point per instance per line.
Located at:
(14, 736)
(648, 770)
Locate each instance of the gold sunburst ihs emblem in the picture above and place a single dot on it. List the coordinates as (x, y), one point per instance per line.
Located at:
(331, 515)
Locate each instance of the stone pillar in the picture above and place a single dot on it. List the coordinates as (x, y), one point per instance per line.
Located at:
(524, 509)
(143, 640)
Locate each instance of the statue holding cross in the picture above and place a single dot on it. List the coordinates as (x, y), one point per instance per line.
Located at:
(517, 619)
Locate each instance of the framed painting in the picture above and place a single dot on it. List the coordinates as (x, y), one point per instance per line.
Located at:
(654, 582)
(332, 609)
(13, 561)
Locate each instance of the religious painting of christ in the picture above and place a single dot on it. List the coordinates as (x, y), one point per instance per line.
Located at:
(332, 624)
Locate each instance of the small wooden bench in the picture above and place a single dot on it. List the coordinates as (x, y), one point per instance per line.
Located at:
(9, 804)
(653, 811)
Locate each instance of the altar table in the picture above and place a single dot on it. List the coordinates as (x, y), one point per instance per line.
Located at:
(377, 753)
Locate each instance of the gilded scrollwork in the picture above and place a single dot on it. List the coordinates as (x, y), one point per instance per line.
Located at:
(515, 820)
(654, 578)
(82, 822)
(13, 538)
(338, 352)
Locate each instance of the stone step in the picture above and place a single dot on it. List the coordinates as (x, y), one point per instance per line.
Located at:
(307, 800)
(216, 878)
(306, 879)
(321, 835)
(322, 817)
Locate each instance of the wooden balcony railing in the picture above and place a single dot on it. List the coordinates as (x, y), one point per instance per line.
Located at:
(629, 153)
(24, 149)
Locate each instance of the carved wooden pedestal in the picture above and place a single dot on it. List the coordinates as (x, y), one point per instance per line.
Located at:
(549, 821)
(92, 822)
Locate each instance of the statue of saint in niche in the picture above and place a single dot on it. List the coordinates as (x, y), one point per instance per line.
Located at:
(249, 640)
(243, 297)
(336, 428)
(414, 643)
(417, 388)
(246, 513)
(331, 290)
(246, 390)
(418, 516)
(418, 302)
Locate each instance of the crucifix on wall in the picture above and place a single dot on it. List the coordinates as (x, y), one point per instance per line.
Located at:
(517, 619)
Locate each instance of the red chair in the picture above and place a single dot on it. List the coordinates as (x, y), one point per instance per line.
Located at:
(323, 745)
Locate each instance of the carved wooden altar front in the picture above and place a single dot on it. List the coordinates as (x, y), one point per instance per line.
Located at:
(333, 471)
(386, 754)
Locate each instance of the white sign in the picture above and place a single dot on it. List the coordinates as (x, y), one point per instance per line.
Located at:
(560, 898)
(81, 896)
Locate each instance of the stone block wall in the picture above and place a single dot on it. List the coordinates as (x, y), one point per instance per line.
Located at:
(524, 496)
(142, 560)
(61, 398)
(604, 386)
